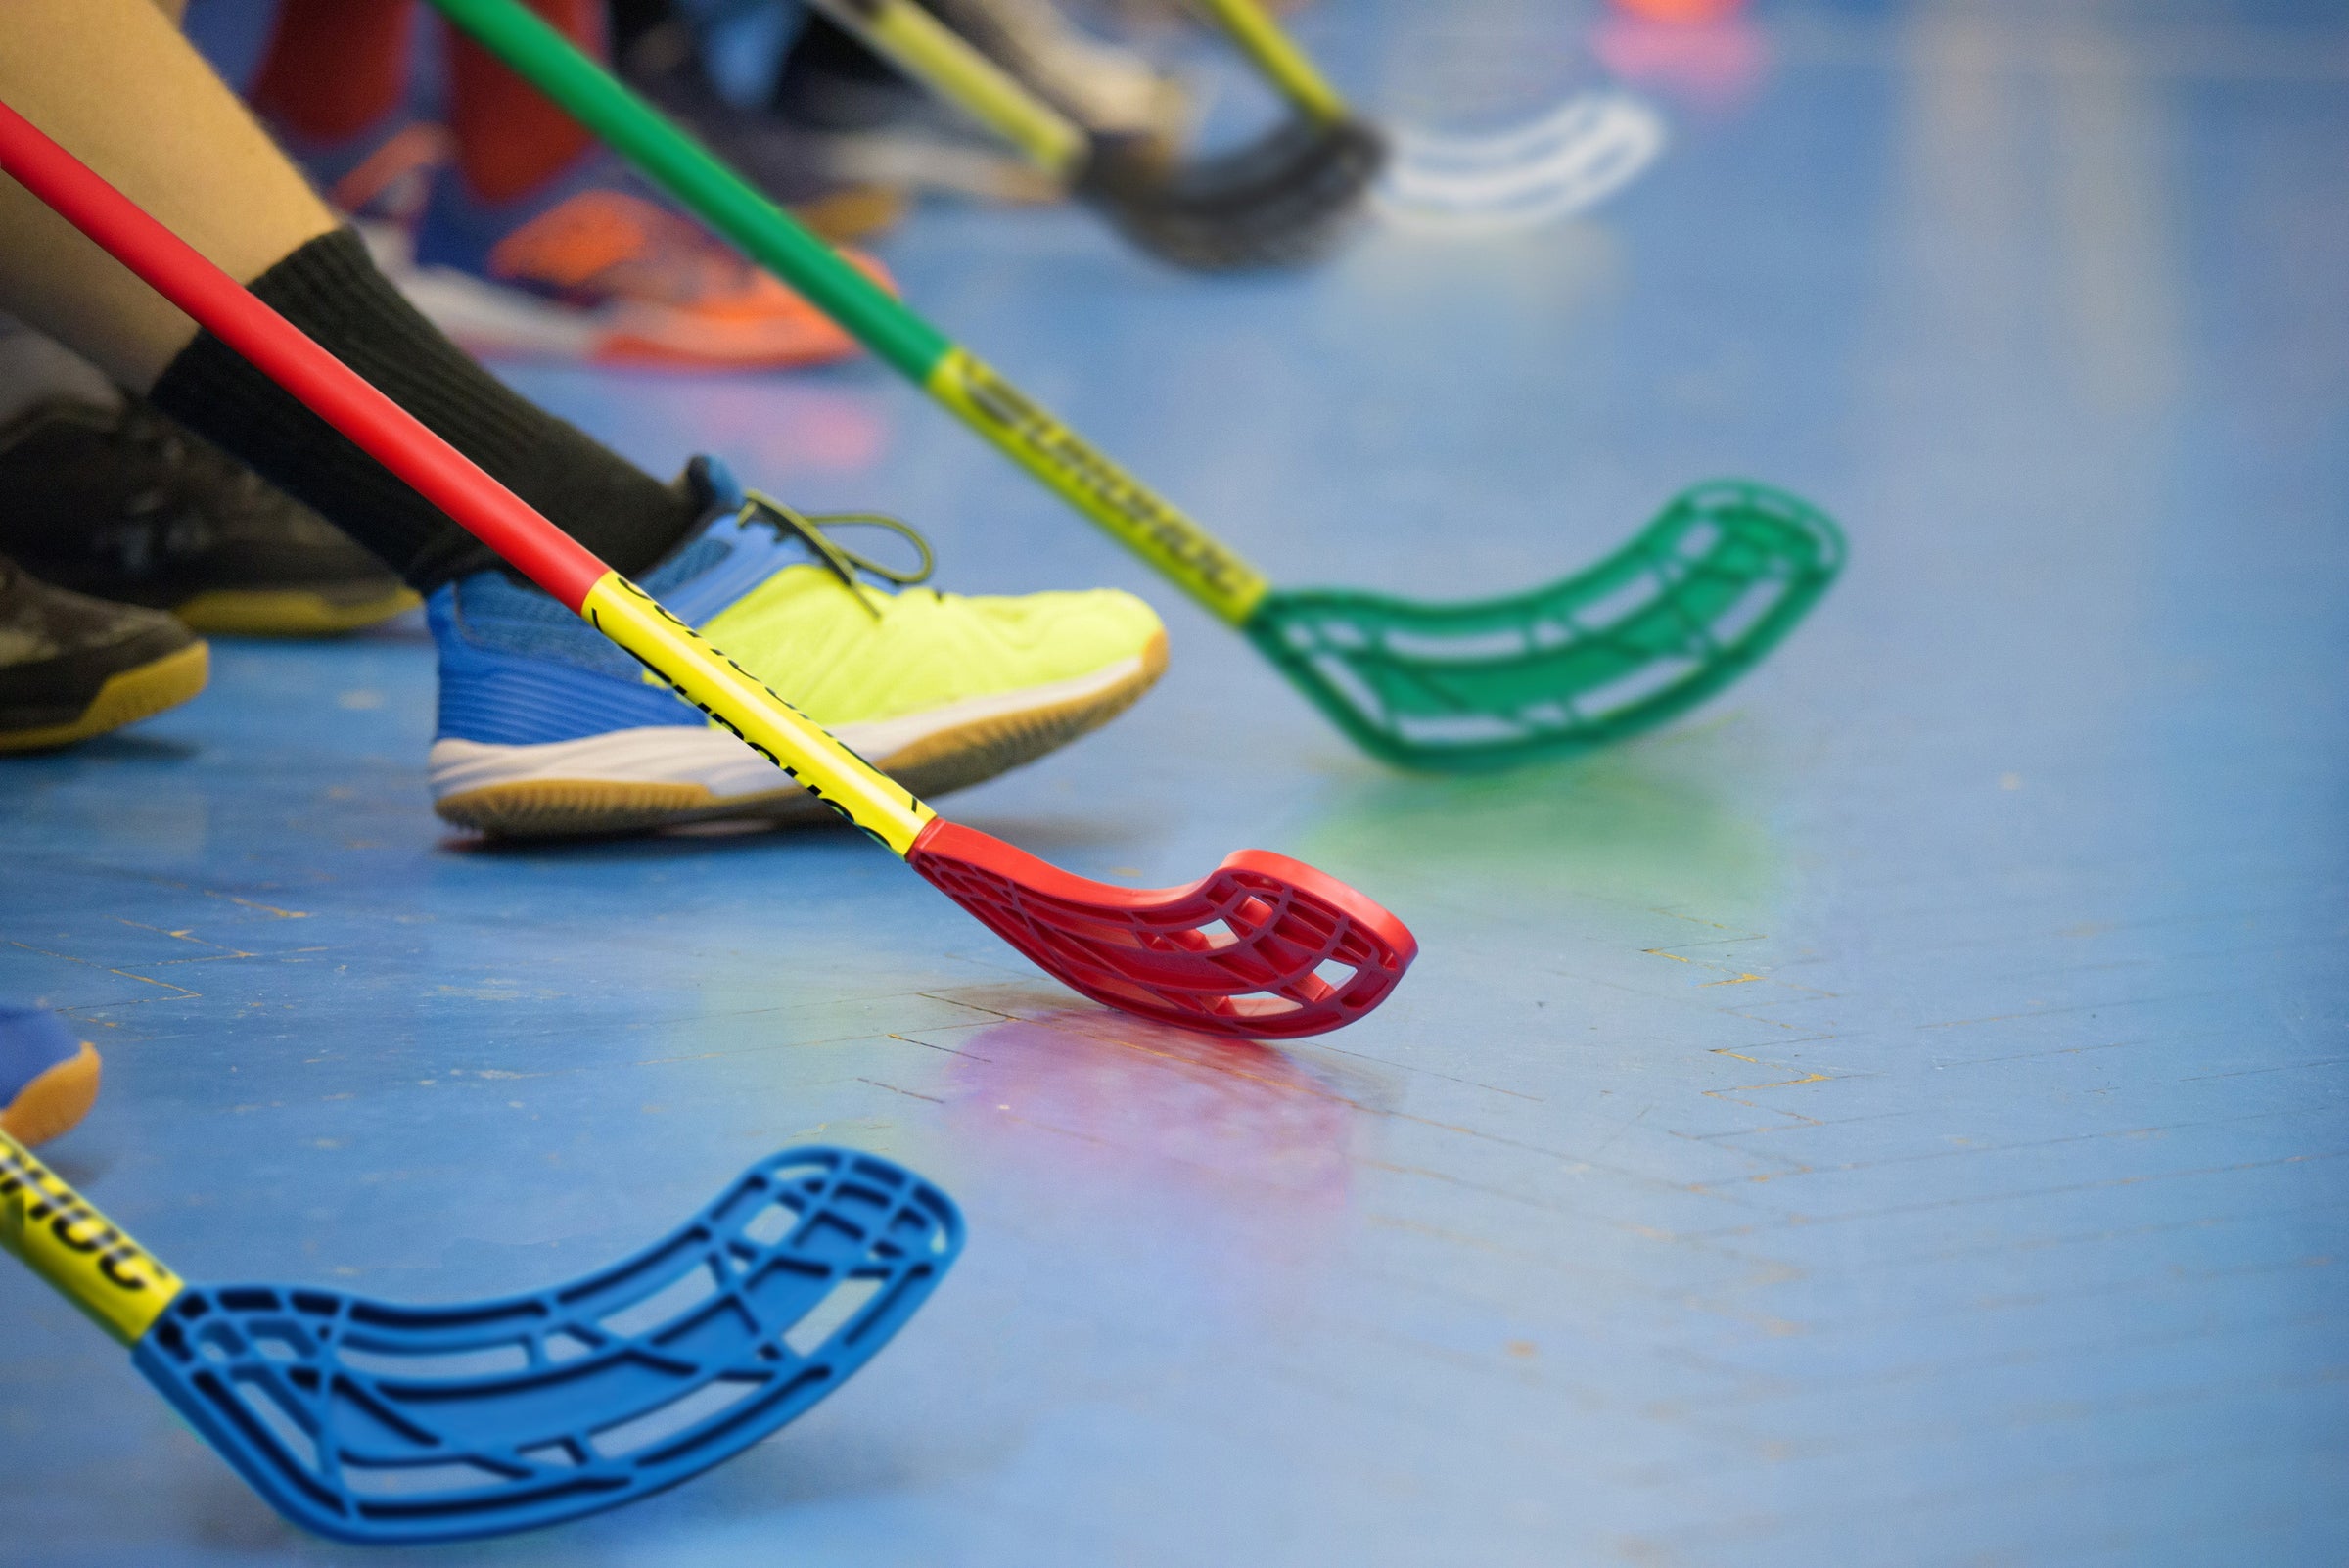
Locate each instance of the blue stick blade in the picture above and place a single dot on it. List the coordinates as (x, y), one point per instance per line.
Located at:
(386, 1425)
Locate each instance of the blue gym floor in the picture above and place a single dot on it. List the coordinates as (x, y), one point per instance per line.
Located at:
(1892, 1117)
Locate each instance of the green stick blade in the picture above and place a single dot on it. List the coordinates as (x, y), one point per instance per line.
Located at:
(1692, 603)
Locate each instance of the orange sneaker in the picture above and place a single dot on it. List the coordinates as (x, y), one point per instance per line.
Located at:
(48, 1078)
(593, 267)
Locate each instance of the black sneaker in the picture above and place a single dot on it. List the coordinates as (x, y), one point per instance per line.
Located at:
(72, 667)
(130, 506)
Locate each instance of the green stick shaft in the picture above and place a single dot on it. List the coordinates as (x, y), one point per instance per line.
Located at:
(1190, 557)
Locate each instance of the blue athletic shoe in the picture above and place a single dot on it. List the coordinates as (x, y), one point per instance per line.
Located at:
(546, 729)
(48, 1078)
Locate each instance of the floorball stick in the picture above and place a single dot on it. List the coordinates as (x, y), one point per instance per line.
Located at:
(396, 1425)
(1691, 603)
(1262, 947)
(1283, 198)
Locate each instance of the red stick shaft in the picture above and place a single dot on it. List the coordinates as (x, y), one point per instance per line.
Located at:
(282, 351)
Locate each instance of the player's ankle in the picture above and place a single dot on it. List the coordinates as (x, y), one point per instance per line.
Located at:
(329, 288)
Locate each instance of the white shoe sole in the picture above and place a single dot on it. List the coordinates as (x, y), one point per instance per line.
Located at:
(497, 322)
(632, 781)
(490, 321)
(482, 315)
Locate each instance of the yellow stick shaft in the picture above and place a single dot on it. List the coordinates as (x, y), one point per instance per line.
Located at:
(1153, 529)
(86, 1257)
(928, 51)
(697, 671)
(1261, 39)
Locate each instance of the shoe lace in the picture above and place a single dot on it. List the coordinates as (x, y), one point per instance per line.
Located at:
(843, 563)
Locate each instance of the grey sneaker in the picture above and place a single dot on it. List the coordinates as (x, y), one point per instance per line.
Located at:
(126, 504)
(72, 667)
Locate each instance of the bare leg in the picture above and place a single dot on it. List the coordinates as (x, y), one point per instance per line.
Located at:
(115, 82)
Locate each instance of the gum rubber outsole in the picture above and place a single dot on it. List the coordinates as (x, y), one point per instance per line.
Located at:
(287, 612)
(56, 1101)
(127, 697)
(950, 760)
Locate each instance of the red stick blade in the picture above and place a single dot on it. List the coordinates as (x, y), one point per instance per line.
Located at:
(1266, 948)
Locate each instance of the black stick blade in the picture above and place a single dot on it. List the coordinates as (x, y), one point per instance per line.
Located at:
(1283, 200)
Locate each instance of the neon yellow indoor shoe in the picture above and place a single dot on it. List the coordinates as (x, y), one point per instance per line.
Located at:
(548, 730)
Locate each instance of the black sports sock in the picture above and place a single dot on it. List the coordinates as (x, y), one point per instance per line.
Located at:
(331, 290)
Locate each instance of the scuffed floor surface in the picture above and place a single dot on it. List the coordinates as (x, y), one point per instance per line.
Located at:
(1892, 1117)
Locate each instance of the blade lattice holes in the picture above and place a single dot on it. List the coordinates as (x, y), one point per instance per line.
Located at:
(1215, 935)
(284, 1424)
(420, 1480)
(381, 1423)
(716, 1396)
(772, 1224)
(455, 1364)
(688, 1290)
(1710, 585)
(831, 1315)
(1241, 952)
(1623, 693)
